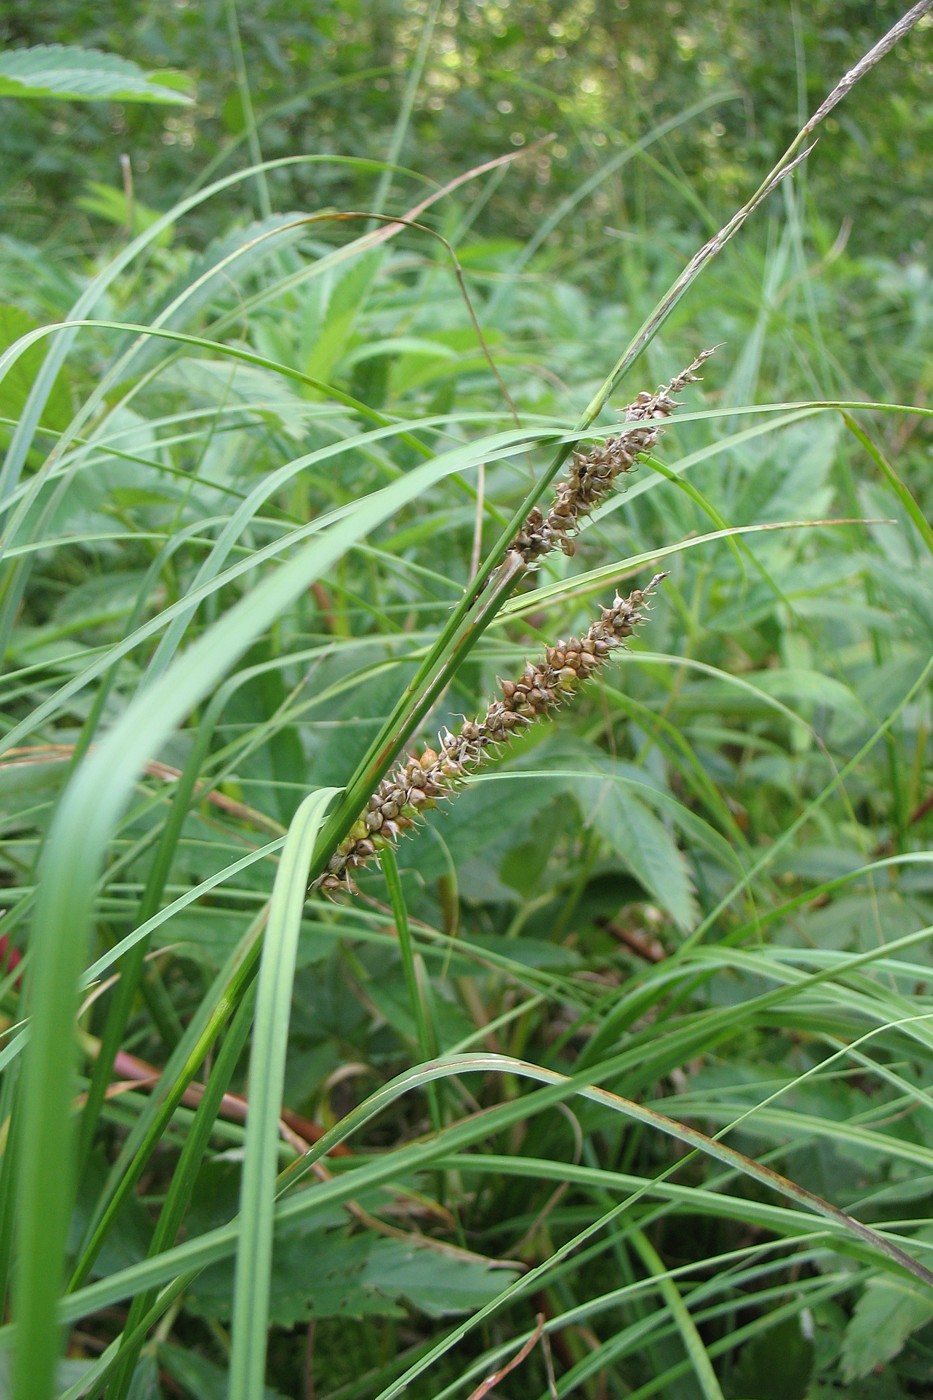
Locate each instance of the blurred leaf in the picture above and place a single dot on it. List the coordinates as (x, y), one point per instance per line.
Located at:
(111, 204)
(528, 952)
(438, 1282)
(798, 687)
(343, 296)
(130, 1237)
(449, 1022)
(145, 1383)
(791, 483)
(333, 1274)
(889, 1311)
(66, 71)
(221, 270)
(16, 384)
(775, 1365)
(199, 1378)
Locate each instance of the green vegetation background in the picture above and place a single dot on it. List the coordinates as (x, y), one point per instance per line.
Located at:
(330, 77)
(704, 891)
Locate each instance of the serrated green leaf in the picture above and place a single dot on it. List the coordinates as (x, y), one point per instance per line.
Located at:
(69, 72)
(438, 1282)
(888, 1312)
(337, 1275)
(643, 843)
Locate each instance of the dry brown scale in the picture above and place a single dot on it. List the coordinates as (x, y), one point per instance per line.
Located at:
(421, 781)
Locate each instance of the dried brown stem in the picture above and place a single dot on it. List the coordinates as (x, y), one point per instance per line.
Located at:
(487, 1385)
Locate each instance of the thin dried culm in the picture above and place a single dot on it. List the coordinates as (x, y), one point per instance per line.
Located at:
(592, 474)
(420, 781)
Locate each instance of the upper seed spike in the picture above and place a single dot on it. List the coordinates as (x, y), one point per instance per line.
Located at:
(592, 474)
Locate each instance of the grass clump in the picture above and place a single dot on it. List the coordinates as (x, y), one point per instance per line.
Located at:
(616, 1076)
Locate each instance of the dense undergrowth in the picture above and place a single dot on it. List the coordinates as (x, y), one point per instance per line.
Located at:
(613, 1039)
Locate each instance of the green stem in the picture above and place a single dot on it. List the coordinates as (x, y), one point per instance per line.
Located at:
(411, 963)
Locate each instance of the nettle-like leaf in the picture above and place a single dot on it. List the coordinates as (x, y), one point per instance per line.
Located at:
(473, 827)
(889, 1311)
(801, 488)
(617, 800)
(85, 75)
(634, 816)
(644, 844)
(339, 1275)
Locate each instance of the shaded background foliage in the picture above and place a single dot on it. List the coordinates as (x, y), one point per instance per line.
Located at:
(775, 663)
(597, 73)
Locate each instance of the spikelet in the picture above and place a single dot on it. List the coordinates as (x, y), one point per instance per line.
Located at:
(418, 783)
(592, 475)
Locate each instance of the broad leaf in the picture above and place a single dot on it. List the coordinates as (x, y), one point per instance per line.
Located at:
(776, 1364)
(643, 843)
(66, 71)
(17, 382)
(199, 1377)
(888, 1312)
(338, 1275)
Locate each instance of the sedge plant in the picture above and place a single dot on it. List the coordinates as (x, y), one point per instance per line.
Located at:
(625, 1084)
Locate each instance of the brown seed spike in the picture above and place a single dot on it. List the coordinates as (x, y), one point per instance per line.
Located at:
(592, 474)
(420, 782)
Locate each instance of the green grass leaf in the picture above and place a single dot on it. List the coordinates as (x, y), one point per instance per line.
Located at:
(267, 1076)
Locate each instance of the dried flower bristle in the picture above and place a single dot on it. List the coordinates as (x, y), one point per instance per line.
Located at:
(592, 474)
(422, 780)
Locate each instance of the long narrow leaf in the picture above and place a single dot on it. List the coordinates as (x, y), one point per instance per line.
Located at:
(266, 1078)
